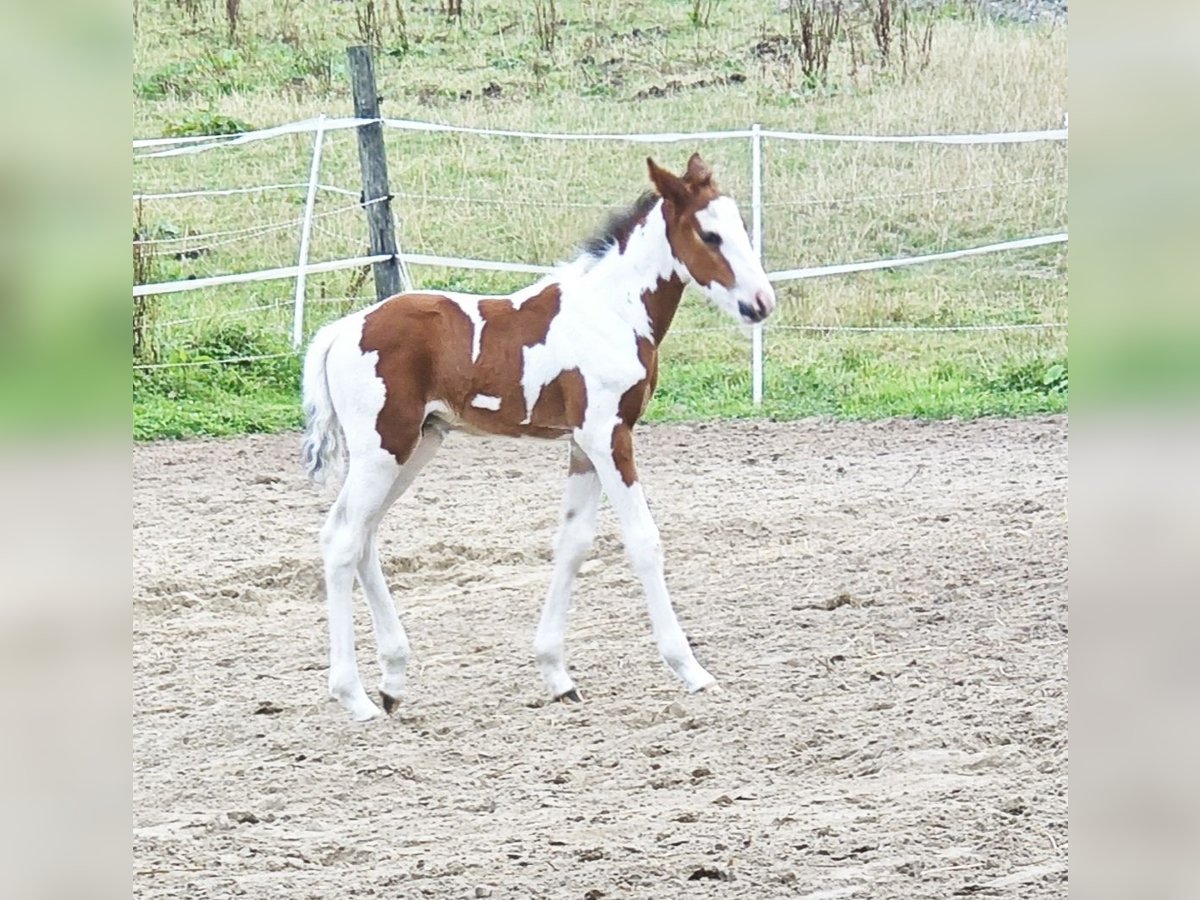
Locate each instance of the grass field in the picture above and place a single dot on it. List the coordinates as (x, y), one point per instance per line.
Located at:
(615, 66)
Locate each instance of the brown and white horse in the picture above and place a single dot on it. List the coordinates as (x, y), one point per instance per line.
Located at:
(574, 356)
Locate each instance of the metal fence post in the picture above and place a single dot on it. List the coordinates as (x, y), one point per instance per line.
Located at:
(306, 233)
(756, 334)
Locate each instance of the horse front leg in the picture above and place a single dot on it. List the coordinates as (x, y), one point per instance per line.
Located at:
(581, 500)
(613, 461)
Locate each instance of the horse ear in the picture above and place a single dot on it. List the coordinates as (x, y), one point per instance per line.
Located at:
(698, 174)
(670, 187)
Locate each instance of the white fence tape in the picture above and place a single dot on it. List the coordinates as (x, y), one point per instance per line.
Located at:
(458, 262)
(224, 192)
(228, 192)
(907, 195)
(672, 137)
(192, 284)
(211, 362)
(197, 144)
(918, 329)
(210, 239)
(249, 137)
(997, 137)
(845, 268)
(666, 137)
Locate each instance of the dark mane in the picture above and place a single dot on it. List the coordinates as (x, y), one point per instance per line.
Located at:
(619, 226)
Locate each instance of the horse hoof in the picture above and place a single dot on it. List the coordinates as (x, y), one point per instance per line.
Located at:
(389, 703)
(571, 696)
(707, 685)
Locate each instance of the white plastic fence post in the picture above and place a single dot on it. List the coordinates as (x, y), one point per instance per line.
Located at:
(306, 234)
(756, 334)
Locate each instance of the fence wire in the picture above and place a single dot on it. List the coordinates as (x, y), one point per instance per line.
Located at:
(320, 223)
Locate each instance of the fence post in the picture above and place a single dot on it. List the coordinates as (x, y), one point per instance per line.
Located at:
(314, 172)
(756, 334)
(372, 157)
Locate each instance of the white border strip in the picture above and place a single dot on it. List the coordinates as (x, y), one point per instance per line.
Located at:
(819, 271)
(194, 284)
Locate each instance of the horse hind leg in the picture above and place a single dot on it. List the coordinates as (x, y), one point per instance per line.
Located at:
(390, 639)
(346, 539)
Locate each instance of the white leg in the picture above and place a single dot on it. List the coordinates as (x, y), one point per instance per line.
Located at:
(613, 459)
(344, 540)
(390, 639)
(581, 501)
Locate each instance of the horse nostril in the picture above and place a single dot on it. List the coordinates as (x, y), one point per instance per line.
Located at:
(765, 301)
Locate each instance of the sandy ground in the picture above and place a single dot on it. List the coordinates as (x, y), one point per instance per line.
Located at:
(884, 606)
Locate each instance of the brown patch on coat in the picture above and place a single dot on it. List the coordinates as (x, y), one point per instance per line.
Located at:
(683, 198)
(706, 264)
(661, 305)
(424, 343)
(562, 403)
(418, 338)
(634, 401)
(579, 463)
(622, 451)
(507, 331)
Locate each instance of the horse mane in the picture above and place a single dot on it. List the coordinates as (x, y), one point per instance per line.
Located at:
(619, 226)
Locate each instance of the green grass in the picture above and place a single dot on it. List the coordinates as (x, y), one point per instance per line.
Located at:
(824, 203)
(263, 398)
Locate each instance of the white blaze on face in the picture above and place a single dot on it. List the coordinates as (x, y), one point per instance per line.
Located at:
(721, 217)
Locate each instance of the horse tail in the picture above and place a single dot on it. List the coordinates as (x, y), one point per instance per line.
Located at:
(324, 441)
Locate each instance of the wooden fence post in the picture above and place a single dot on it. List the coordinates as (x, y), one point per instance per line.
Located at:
(373, 158)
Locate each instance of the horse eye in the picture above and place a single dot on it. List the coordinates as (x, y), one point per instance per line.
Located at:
(711, 238)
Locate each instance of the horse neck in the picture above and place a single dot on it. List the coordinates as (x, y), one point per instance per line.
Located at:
(641, 276)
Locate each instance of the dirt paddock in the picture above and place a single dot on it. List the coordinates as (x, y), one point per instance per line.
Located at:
(884, 606)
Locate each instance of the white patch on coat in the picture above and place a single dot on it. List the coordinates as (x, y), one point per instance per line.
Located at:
(357, 392)
(469, 304)
(601, 316)
(486, 401)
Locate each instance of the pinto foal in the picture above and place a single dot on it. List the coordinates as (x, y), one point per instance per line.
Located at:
(574, 356)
